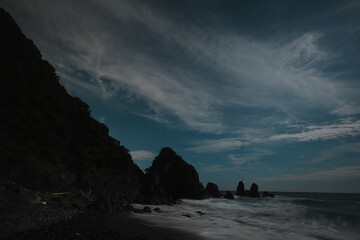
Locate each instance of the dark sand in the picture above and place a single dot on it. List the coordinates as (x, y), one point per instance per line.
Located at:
(132, 226)
(92, 225)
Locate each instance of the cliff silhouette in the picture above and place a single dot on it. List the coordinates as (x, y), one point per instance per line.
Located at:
(48, 138)
(50, 142)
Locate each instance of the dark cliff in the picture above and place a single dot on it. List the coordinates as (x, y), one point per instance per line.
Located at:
(48, 138)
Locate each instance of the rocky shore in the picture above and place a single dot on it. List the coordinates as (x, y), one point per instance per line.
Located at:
(22, 220)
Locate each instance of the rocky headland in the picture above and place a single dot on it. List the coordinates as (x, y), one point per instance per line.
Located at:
(59, 166)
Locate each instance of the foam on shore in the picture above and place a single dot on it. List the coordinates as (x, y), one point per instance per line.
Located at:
(283, 217)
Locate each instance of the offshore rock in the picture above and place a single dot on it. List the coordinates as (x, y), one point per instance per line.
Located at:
(267, 194)
(240, 190)
(212, 190)
(229, 195)
(254, 191)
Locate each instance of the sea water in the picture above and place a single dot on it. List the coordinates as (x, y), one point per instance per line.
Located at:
(287, 216)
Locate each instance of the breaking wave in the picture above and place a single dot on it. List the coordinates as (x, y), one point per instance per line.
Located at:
(287, 216)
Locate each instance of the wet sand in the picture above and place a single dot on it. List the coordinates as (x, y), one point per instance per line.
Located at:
(133, 226)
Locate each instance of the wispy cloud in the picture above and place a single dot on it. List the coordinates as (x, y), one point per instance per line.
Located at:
(337, 152)
(102, 119)
(251, 159)
(322, 132)
(217, 168)
(240, 161)
(283, 74)
(219, 145)
(114, 63)
(334, 174)
(141, 155)
(346, 128)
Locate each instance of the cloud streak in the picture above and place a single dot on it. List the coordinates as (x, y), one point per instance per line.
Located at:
(337, 152)
(349, 128)
(142, 155)
(239, 160)
(217, 168)
(214, 146)
(334, 174)
(324, 132)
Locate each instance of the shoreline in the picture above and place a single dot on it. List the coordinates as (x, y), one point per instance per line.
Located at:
(133, 225)
(94, 225)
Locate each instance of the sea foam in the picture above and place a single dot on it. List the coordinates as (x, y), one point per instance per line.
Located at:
(283, 217)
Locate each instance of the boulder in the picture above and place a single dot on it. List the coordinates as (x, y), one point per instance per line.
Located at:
(240, 190)
(267, 194)
(229, 195)
(147, 209)
(157, 209)
(254, 191)
(171, 178)
(212, 190)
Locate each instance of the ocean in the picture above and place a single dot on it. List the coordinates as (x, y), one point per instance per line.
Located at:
(325, 216)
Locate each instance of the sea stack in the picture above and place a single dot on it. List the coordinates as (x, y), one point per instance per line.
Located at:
(254, 190)
(171, 178)
(240, 190)
(212, 190)
(229, 195)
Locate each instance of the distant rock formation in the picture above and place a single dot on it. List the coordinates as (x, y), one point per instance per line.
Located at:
(240, 190)
(213, 190)
(254, 191)
(48, 138)
(229, 195)
(171, 178)
(267, 194)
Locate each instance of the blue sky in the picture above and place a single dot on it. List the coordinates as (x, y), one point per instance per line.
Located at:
(265, 92)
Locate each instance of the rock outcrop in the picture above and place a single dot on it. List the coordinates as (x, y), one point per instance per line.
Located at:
(240, 190)
(267, 194)
(171, 178)
(49, 141)
(212, 190)
(229, 195)
(254, 191)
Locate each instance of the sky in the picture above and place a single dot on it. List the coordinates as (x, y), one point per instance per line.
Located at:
(265, 91)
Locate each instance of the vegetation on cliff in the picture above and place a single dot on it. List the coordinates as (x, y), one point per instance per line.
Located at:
(48, 138)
